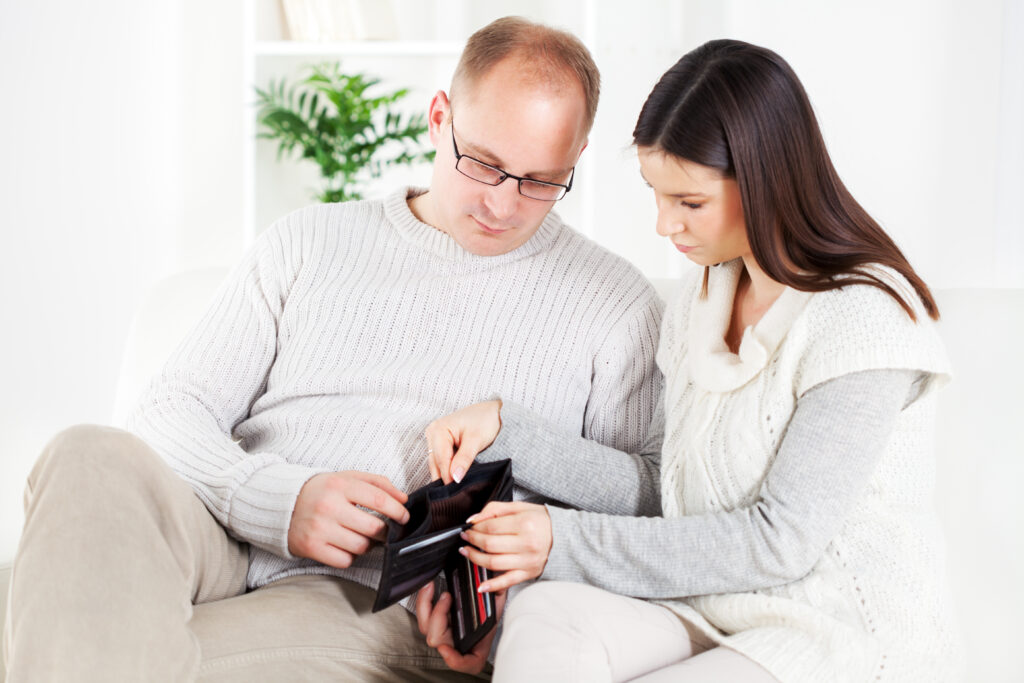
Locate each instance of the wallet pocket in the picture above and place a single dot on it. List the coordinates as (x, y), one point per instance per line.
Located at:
(419, 550)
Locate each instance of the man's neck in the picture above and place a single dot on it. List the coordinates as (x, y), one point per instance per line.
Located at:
(423, 209)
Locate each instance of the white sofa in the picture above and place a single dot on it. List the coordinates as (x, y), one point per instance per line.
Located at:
(979, 446)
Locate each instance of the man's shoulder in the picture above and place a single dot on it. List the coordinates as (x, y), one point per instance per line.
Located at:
(594, 263)
(317, 223)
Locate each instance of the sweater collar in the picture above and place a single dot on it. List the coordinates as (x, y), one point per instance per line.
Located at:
(713, 366)
(442, 246)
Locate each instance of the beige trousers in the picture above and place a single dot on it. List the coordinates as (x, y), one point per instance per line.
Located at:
(569, 632)
(123, 575)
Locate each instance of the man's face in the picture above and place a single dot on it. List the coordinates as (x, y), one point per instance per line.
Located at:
(524, 129)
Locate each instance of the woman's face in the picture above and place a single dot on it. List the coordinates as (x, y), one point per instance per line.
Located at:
(699, 210)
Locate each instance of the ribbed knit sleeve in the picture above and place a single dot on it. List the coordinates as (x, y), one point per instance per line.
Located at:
(209, 385)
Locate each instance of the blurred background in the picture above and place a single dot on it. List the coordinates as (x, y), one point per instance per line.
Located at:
(128, 152)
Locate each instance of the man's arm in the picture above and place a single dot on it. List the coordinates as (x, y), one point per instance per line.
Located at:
(209, 385)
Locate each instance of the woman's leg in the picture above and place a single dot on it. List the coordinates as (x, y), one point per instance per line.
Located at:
(566, 632)
(713, 666)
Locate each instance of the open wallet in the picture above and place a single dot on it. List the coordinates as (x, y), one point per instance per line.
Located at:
(415, 552)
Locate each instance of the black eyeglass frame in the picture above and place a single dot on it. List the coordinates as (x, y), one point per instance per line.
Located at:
(505, 175)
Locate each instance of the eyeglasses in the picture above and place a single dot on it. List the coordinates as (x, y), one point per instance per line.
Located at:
(492, 175)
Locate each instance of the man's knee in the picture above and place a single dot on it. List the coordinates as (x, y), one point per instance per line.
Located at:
(85, 454)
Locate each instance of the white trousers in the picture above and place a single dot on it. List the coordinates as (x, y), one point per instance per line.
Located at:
(555, 631)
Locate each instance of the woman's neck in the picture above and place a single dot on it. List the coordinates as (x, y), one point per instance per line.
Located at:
(755, 294)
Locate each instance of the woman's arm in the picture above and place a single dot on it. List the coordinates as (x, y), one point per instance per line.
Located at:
(831, 448)
(549, 461)
(576, 471)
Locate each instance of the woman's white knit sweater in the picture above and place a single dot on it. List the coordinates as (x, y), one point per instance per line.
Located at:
(874, 606)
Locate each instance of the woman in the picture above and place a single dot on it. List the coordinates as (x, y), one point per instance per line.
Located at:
(797, 541)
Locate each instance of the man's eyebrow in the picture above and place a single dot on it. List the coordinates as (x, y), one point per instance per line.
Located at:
(478, 151)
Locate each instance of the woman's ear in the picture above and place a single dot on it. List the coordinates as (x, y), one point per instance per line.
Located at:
(440, 110)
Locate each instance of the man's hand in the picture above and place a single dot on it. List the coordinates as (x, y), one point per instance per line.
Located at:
(513, 539)
(454, 440)
(327, 526)
(434, 622)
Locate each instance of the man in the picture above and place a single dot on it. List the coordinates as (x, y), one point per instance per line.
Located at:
(297, 406)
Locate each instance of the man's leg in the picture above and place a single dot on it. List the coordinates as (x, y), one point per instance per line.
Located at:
(116, 549)
(313, 628)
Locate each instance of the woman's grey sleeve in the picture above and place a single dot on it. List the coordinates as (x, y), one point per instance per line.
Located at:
(826, 459)
(575, 471)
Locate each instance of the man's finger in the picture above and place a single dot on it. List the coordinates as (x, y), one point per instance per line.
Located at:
(362, 522)
(377, 499)
(381, 482)
(424, 601)
(332, 556)
(347, 540)
(438, 629)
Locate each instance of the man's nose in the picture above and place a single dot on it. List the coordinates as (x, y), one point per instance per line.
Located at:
(503, 198)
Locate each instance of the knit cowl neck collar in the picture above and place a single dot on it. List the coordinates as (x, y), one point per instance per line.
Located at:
(441, 246)
(712, 365)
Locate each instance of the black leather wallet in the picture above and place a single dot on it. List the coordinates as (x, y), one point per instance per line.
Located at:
(415, 552)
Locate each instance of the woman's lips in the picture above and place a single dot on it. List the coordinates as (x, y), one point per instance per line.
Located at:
(682, 248)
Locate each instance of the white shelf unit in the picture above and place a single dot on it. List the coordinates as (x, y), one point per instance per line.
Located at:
(422, 62)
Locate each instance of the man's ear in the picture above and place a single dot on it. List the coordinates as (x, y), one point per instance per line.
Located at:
(440, 109)
(585, 143)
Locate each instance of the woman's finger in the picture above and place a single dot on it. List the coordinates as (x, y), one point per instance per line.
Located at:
(495, 544)
(504, 581)
(440, 447)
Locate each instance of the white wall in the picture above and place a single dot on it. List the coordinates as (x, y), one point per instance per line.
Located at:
(119, 163)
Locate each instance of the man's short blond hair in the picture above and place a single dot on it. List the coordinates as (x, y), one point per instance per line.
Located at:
(549, 56)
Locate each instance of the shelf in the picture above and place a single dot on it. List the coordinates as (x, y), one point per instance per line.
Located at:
(379, 48)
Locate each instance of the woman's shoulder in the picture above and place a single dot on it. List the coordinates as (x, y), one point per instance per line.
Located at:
(861, 326)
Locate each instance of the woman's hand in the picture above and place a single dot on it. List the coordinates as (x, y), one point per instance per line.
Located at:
(513, 538)
(453, 441)
(435, 623)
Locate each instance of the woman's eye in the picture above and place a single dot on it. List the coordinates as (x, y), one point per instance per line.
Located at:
(692, 205)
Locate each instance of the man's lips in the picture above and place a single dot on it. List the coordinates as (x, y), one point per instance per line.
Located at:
(488, 229)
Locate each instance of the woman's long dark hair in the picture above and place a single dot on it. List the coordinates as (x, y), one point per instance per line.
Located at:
(740, 108)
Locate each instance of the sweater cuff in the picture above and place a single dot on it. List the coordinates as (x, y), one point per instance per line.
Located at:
(261, 509)
(560, 565)
(518, 436)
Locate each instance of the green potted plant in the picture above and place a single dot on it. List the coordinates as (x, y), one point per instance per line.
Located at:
(330, 118)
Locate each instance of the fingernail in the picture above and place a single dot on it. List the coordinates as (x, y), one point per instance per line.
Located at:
(405, 517)
(457, 474)
(463, 551)
(483, 588)
(471, 520)
(463, 536)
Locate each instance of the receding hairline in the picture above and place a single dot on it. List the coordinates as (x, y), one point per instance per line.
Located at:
(549, 59)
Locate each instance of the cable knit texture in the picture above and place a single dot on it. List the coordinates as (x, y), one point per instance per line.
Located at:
(874, 607)
(349, 327)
